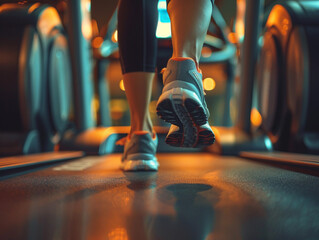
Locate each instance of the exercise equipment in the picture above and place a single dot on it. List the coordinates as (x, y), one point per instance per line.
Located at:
(35, 83)
(287, 79)
(240, 137)
(86, 136)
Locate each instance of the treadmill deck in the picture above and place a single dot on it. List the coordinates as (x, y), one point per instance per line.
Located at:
(193, 196)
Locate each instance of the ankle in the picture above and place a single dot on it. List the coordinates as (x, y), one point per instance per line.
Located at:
(187, 58)
(141, 127)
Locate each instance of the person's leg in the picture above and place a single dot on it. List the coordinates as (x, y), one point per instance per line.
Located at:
(182, 101)
(138, 89)
(137, 21)
(190, 20)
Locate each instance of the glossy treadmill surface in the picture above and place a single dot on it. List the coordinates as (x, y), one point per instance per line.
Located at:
(193, 196)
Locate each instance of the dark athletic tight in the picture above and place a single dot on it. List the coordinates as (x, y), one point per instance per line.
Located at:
(137, 22)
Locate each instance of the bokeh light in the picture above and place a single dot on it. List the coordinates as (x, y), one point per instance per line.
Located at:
(209, 84)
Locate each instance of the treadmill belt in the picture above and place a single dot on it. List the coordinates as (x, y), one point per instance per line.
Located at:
(193, 196)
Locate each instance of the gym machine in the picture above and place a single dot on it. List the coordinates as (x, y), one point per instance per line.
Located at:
(35, 83)
(285, 86)
(287, 81)
(39, 107)
(240, 137)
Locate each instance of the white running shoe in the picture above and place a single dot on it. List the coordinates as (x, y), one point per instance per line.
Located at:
(139, 152)
(182, 104)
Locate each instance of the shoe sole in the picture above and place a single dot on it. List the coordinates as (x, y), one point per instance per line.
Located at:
(140, 162)
(205, 138)
(183, 108)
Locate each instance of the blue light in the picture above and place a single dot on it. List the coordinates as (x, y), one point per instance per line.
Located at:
(164, 23)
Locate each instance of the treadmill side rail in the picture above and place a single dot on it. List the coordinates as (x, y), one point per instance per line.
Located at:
(305, 160)
(9, 163)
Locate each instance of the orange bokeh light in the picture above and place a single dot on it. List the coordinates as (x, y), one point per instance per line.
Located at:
(255, 117)
(97, 42)
(114, 36)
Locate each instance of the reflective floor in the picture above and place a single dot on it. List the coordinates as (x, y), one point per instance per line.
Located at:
(193, 196)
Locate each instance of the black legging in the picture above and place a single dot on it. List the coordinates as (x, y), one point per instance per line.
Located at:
(137, 22)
